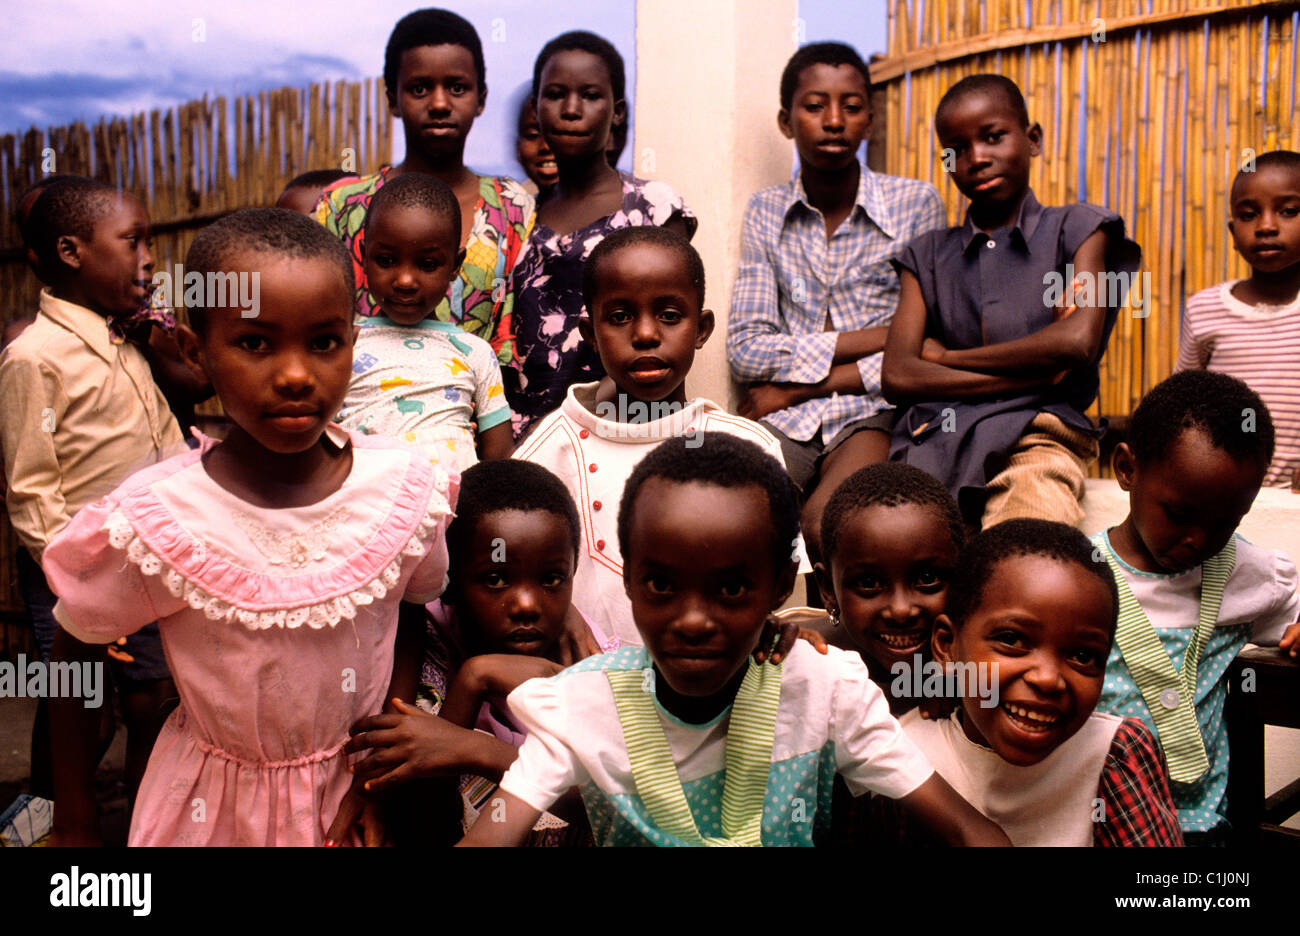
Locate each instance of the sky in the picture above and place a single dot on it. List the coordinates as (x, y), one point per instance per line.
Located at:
(67, 60)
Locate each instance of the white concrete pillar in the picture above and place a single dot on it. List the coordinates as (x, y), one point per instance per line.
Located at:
(707, 92)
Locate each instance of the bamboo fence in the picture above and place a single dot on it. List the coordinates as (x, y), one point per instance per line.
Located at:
(1148, 107)
(192, 164)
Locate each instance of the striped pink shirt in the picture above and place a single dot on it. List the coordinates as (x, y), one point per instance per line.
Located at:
(1259, 345)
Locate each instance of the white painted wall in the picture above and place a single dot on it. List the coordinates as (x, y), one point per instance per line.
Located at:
(708, 74)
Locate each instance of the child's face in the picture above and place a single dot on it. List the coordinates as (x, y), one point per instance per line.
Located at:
(1046, 627)
(889, 579)
(829, 118)
(1265, 221)
(991, 150)
(577, 107)
(533, 151)
(517, 580)
(646, 323)
(115, 266)
(438, 98)
(282, 374)
(698, 570)
(1185, 506)
(412, 255)
(300, 198)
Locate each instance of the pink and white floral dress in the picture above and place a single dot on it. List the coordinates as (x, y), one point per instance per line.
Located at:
(279, 627)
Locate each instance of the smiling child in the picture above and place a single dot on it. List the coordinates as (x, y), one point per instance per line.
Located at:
(687, 741)
(890, 535)
(1030, 603)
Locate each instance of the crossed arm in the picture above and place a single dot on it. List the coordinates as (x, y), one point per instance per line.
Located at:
(919, 368)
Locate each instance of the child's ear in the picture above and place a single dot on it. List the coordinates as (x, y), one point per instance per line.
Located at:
(1124, 465)
(68, 249)
(941, 640)
(1035, 134)
(826, 587)
(588, 331)
(191, 351)
(356, 333)
(705, 329)
(785, 586)
(620, 114)
(482, 100)
(783, 122)
(460, 261)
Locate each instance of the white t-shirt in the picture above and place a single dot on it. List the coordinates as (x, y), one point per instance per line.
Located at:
(1052, 802)
(832, 719)
(594, 457)
(426, 384)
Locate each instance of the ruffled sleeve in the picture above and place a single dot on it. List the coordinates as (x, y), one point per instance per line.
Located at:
(104, 591)
(430, 577)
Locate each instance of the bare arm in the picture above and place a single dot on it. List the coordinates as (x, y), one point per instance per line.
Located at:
(942, 810)
(506, 820)
(497, 442)
(908, 377)
(851, 346)
(74, 731)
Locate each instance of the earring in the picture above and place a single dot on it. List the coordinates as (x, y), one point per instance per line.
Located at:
(835, 618)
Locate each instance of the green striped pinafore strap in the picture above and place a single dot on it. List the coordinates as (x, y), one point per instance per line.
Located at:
(1171, 695)
(748, 759)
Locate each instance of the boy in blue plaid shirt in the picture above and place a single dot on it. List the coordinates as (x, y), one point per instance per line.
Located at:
(815, 292)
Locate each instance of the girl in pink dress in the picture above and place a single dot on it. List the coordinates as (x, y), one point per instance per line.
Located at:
(275, 560)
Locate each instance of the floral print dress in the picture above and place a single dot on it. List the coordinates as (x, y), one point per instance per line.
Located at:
(548, 299)
(481, 298)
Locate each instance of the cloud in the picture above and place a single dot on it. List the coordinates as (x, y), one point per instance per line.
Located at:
(60, 97)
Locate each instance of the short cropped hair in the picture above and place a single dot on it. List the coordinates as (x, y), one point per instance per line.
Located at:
(725, 461)
(69, 207)
(506, 484)
(988, 85)
(582, 41)
(1225, 409)
(431, 27)
(263, 230)
(820, 53)
(416, 190)
(318, 178)
(648, 234)
(888, 484)
(1024, 537)
(1282, 159)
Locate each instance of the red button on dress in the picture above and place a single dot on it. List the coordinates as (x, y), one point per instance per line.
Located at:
(583, 433)
(591, 467)
(595, 505)
(600, 544)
